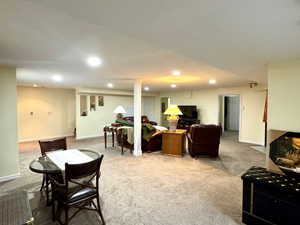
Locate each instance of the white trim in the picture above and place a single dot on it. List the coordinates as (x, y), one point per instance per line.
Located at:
(45, 138)
(240, 112)
(259, 148)
(87, 137)
(251, 142)
(10, 177)
(107, 91)
(137, 103)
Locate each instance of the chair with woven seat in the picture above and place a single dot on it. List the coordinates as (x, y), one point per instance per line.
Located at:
(48, 146)
(78, 190)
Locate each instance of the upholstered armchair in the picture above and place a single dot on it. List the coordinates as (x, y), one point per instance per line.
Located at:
(204, 140)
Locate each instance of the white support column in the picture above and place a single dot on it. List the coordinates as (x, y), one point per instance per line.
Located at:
(9, 152)
(137, 118)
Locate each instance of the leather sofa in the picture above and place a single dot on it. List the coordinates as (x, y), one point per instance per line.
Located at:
(204, 140)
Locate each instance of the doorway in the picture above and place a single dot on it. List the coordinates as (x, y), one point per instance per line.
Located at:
(164, 104)
(230, 115)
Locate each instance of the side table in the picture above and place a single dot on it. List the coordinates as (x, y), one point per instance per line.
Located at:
(173, 142)
(113, 131)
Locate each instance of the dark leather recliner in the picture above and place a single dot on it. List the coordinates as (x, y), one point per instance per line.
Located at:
(204, 140)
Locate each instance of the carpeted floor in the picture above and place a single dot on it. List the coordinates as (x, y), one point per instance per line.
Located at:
(154, 189)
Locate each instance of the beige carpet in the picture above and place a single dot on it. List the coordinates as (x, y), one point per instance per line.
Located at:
(154, 189)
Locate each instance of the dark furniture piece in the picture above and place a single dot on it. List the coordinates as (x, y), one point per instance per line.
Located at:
(122, 141)
(53, 145)
(186, 123)
(15, 209)
(144, 119)
(48, 146)
(154, 144)
(204, 140)
(78, 190)
(270, 198)
(173, 142)
(45, 166)
(189, 117)
(113, 131)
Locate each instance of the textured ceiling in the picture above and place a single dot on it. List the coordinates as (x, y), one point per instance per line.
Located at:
(231, 41)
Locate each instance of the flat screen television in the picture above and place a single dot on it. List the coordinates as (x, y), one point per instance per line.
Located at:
(188, 111)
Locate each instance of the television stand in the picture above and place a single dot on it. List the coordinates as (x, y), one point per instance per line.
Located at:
(185, 123)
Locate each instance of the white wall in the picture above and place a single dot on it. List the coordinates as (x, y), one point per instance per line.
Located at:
(53, 113)
(148, 107)
(9, 157)
(284, 94)
(92, 125)
(207, 101)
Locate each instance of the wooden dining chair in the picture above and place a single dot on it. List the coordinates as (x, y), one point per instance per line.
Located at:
(48, 146)
(78, 190)
(53, 145)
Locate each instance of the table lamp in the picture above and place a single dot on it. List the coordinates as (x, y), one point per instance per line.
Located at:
(119, 111)
(173, 111)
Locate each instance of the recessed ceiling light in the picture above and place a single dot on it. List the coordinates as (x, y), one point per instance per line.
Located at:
(212, 81)
(94, 61)
(176, 73)
(57, 78)
(146, 88)
(173, 85)
(35, 85)
(110, 85)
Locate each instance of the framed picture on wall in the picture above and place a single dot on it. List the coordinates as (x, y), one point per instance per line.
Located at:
(100, 100)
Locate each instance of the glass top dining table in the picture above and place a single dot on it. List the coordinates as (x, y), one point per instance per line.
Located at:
(44, 165)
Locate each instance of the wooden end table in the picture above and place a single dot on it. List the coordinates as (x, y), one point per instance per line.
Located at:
(173, 142)
(113, 131)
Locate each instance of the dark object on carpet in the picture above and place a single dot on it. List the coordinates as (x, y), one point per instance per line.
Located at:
(15, 209)
(204, 139)
(151, 140)
(270, 198)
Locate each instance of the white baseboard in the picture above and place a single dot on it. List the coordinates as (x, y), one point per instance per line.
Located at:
(10, 177)
(45, 138)
(249, 142)
(87, 137)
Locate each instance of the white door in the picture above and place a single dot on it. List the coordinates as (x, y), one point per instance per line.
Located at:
(233, 113)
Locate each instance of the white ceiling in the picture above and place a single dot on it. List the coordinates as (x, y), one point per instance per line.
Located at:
(231, 41)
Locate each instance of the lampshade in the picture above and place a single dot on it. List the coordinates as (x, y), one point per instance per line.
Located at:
(119, 109)
(173, 110)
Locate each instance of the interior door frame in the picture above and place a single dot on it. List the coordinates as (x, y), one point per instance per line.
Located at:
(222, 111)
(161, 113)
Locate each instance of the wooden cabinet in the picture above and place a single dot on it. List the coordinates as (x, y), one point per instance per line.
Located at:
(173, 142)
(270, 198)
